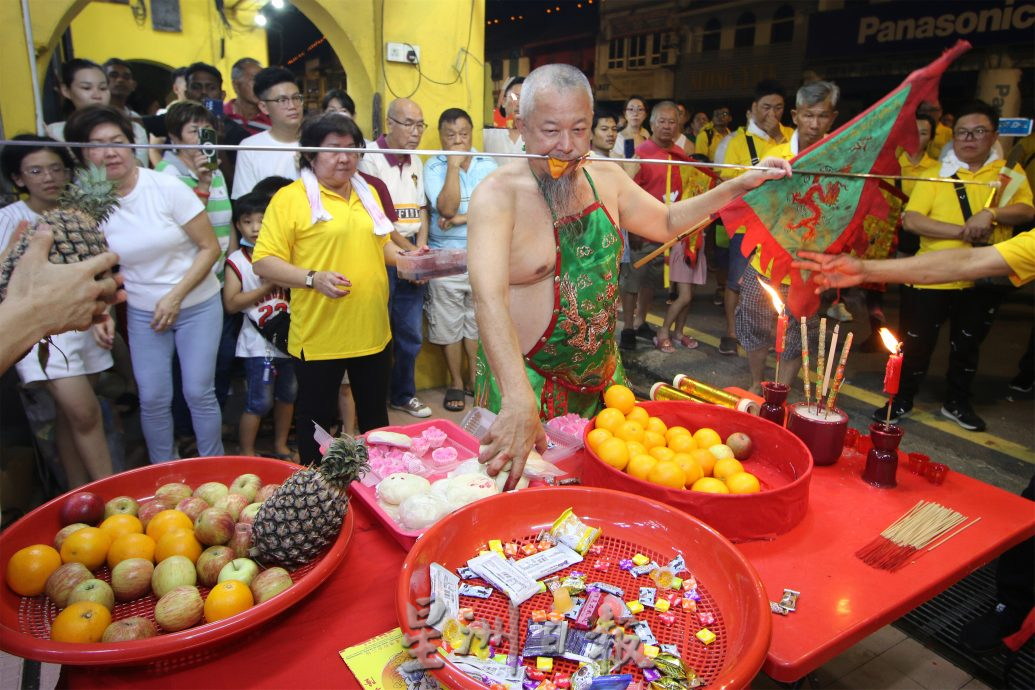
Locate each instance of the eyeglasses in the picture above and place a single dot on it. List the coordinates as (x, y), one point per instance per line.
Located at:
(412, 126)
(635, 109)
(56, 170)
(976, 133)
(282, 101)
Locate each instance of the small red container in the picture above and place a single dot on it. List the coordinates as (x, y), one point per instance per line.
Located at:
(936, 473)
(918, 463)
(780, 460)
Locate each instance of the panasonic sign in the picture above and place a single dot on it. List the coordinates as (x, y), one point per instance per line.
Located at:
(1007, 17)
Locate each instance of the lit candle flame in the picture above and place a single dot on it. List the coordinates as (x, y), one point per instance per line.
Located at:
(773, 295)
(890, 341)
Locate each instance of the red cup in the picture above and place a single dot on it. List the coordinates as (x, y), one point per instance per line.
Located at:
(864, 444)
(918, 463)
(851, 438)
(936, 473)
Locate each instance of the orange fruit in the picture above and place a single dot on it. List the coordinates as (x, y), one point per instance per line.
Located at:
(690, 468)
(227, 599)
(167, 520)
(726, 468)
(614, 452)
(705, 460)
(662, 453)
(676, 431)
(653, 438)
(178, 542)
(88, 546)
(682, 443)
(131, 546)
(721, 451)
(638, 414)
(656, 425)
(635, 448)
(83, 621)
(609, 418)
(629, 431)
(620, 398)
(667, 473)
(743, 483)
(710, 485)
(29, 568)
(641, 465)
(595, 437)
(706, 438)
(117, 525)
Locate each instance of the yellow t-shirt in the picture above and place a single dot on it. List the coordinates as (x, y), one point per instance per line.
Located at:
(942, 136)
(918, 170)
(705, 146)
(1019, 253)
(938, 201)
(324, 328)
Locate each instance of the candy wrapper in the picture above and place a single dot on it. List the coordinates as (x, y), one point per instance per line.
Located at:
(571, 424)
(572, 532)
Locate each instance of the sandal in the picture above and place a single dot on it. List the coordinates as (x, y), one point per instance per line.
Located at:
(664, 344)
(688, 342)
(454, 401)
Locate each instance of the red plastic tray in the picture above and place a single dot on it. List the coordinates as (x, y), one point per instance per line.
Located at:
(780, 460)
(25, 621)
(730, 587)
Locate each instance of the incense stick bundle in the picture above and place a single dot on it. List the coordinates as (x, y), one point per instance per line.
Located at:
(899, 542)
(805, 362)
(820, 359)
(831, 353)
(839, 377)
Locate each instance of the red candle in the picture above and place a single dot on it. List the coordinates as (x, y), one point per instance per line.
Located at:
(781, 332)
(892, 373)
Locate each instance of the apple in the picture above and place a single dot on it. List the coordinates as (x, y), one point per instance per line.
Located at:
(151, 508)
(211, 492)
(246, 485)
(173, 492)
(173, 572)
(269, 583)
(180, 608)
(132, 628)
(131, 578)
(210, 562)
(241, 542)
(97, 591)
(84, 506)
(59, 538)
(243, 569)
(63, 580)
(265, 492)
(192, 506)
(248, 513)
(741, 445)
(120, 505)
(214, 526)
(233, 504)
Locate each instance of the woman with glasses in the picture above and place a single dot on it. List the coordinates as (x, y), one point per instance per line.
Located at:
(75, 359)
(280, 99)
(633, 134)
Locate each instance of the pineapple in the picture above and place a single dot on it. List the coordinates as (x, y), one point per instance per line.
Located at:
(306, 512)
(76, 222)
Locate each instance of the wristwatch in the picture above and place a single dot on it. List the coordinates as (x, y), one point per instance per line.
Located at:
(309, 278)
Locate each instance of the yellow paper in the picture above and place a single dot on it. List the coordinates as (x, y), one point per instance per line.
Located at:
(376, 662)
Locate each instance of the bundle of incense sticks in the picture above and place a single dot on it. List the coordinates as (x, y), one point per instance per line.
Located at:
(839, 377)
(897, 544)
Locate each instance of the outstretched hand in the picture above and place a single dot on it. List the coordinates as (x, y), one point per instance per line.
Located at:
(831, 270)
(776, 168)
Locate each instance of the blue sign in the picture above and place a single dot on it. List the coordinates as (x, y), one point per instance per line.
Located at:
(1014, 126)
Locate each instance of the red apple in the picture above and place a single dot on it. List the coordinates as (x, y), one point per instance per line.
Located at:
(63, 533)
(97, 591)
(241, 542)
(173, 492)
(174, 571)
(63, 580)
(120, 505)
(233, 504)
(132, 628)
(214, 526)
(84, 506)
(180, 608)
(269, 583)
(248, 513)
(265, 492)
(151, 508)
(131, 578)
(210, 562)
(741, 445)
(211, 492)
(192, 507)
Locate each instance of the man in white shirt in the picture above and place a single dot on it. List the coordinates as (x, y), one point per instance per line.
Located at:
(404, 177)
(280, 99)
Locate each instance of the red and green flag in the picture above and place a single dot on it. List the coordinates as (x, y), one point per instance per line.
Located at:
(824, 213)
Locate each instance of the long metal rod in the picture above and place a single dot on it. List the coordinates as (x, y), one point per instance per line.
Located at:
(30, 46)
(440, 152)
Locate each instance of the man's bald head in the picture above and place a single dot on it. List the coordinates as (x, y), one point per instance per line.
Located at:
(405, 124)
(552, 78)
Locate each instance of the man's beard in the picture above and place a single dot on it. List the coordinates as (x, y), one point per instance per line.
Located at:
(561, 194)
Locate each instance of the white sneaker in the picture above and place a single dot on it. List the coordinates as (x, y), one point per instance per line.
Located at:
(415, 407)
(839, 312)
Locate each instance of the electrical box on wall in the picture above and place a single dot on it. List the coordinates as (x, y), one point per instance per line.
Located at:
(402, 52)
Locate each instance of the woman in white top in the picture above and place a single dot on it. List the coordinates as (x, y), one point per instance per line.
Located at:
(84, 83)
(166, 249)
(635, 116)
(75, 359)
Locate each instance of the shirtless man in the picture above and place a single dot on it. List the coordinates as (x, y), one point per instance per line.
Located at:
(545, 248)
